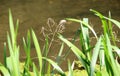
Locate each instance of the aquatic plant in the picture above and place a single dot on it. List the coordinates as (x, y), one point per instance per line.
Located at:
(100, 59)
(102, 52)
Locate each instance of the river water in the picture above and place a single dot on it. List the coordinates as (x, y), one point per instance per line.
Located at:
(34, 14)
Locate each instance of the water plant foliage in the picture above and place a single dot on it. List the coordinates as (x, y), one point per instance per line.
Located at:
(100, 59)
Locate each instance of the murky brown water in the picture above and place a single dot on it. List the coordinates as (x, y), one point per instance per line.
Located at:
(34, 14)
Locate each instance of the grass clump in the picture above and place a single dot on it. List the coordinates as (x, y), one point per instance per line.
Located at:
(93, 60)
(13, 66)
(102, 50)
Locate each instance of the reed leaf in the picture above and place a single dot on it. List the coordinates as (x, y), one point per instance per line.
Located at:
(85, 37)
(84, 23)
(38, 50)
(103, 20)
(4, 71)
(117, 23)
(45, 54)
(70, 72)
(35, 70)
(5, 55)
(95, 56)
(55, 65)
(112, 60)
(12, 31)
(111, 29)
(116, 49)
(12, 60)
(77, 52)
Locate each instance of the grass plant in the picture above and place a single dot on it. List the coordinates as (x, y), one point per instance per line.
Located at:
(96, 60)
(103, 48)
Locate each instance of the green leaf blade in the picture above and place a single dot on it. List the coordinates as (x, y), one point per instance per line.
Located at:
(38, 50)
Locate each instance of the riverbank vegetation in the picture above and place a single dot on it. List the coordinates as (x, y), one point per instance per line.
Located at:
(101, 59)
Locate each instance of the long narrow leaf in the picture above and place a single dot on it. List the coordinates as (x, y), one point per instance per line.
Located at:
(38, 50)
(58, 58)
(116, 49)
(95, 56)
(4, 71)
(35, 71)
(84, 23)
(45, 54)
(103, 20)
(75, 50)
(55, 65)
(113, 64)
(85, 37)
(70, 73)
(111, 29)
(114, 21)
(5, 56)
(12, 31)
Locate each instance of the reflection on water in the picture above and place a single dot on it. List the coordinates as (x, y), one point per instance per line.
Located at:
(34, 13)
